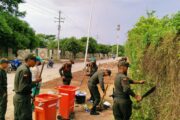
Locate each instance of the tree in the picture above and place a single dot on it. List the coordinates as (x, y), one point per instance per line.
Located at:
(11, 6)
(15, 33)
(92, 44)
(47, 41)
(104, 49)
(121, 50)
(5, 30)
(72, 45)
(176, 21)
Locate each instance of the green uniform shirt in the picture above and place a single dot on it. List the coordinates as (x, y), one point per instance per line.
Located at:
(3, 81)
(65, 70)
(23, 80)
(93, 69)
(97, 78)
(122, 87)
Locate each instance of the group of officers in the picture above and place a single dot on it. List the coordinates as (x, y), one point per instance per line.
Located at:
(23, 84)
(122, 106)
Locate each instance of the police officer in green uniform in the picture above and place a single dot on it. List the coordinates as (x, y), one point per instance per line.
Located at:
(66, 72)
(97, 78)
(22, 86)
(93, 67)
(3, 88)
(122, 107)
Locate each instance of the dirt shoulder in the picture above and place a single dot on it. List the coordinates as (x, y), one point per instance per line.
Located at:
(80, 113)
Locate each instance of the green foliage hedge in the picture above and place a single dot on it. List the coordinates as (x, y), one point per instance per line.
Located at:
(148, 31)
(147, 36)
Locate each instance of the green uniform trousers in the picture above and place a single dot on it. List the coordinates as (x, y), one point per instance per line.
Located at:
(3, 105)
(22, 107)
(122, 109)
(95, 94)
(67, 81)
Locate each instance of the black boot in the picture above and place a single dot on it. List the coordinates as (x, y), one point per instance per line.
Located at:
(93, 111)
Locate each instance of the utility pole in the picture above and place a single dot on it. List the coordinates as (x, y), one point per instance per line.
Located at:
(59, 20)
(118, 29)
(89, 29)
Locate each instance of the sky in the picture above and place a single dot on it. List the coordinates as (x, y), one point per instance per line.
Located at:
(106, 15)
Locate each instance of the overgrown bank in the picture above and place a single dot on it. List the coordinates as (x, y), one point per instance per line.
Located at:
(153, 48)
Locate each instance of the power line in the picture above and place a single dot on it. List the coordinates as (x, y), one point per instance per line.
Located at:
(48, 11)
(75, 24)
(59, 20)
(44, 8)
(40, 11)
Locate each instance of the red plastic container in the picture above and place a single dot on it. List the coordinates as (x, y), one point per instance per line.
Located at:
(45, 107)
(66, 103)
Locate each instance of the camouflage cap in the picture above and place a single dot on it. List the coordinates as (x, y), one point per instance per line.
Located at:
(123, 59)
(93, 59)
(4, 60)
(31, 56)
(123, 63)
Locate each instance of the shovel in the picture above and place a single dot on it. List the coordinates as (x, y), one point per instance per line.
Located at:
(102, 99)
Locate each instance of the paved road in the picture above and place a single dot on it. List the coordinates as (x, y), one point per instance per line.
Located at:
(52, 73)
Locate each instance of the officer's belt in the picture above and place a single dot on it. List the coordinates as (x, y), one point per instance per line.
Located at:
(121, 97)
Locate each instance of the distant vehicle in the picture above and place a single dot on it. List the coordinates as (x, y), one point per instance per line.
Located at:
(50, 63)
(13, 65)
(113, 56)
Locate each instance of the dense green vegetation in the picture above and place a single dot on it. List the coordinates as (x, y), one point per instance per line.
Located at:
(11, 7)
(148, 31)
(76, 45)
(121, 50)
(153, 49)
(15, 33)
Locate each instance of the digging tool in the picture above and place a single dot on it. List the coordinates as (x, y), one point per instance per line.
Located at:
(42, 68)
(102, 99)
(149, 92)
(112, 94)
(84, 75)
(81, 82)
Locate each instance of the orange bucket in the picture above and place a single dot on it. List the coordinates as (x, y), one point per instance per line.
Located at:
(45, 106)
(66, 103)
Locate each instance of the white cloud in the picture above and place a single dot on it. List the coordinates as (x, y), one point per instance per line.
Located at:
(106, 15)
